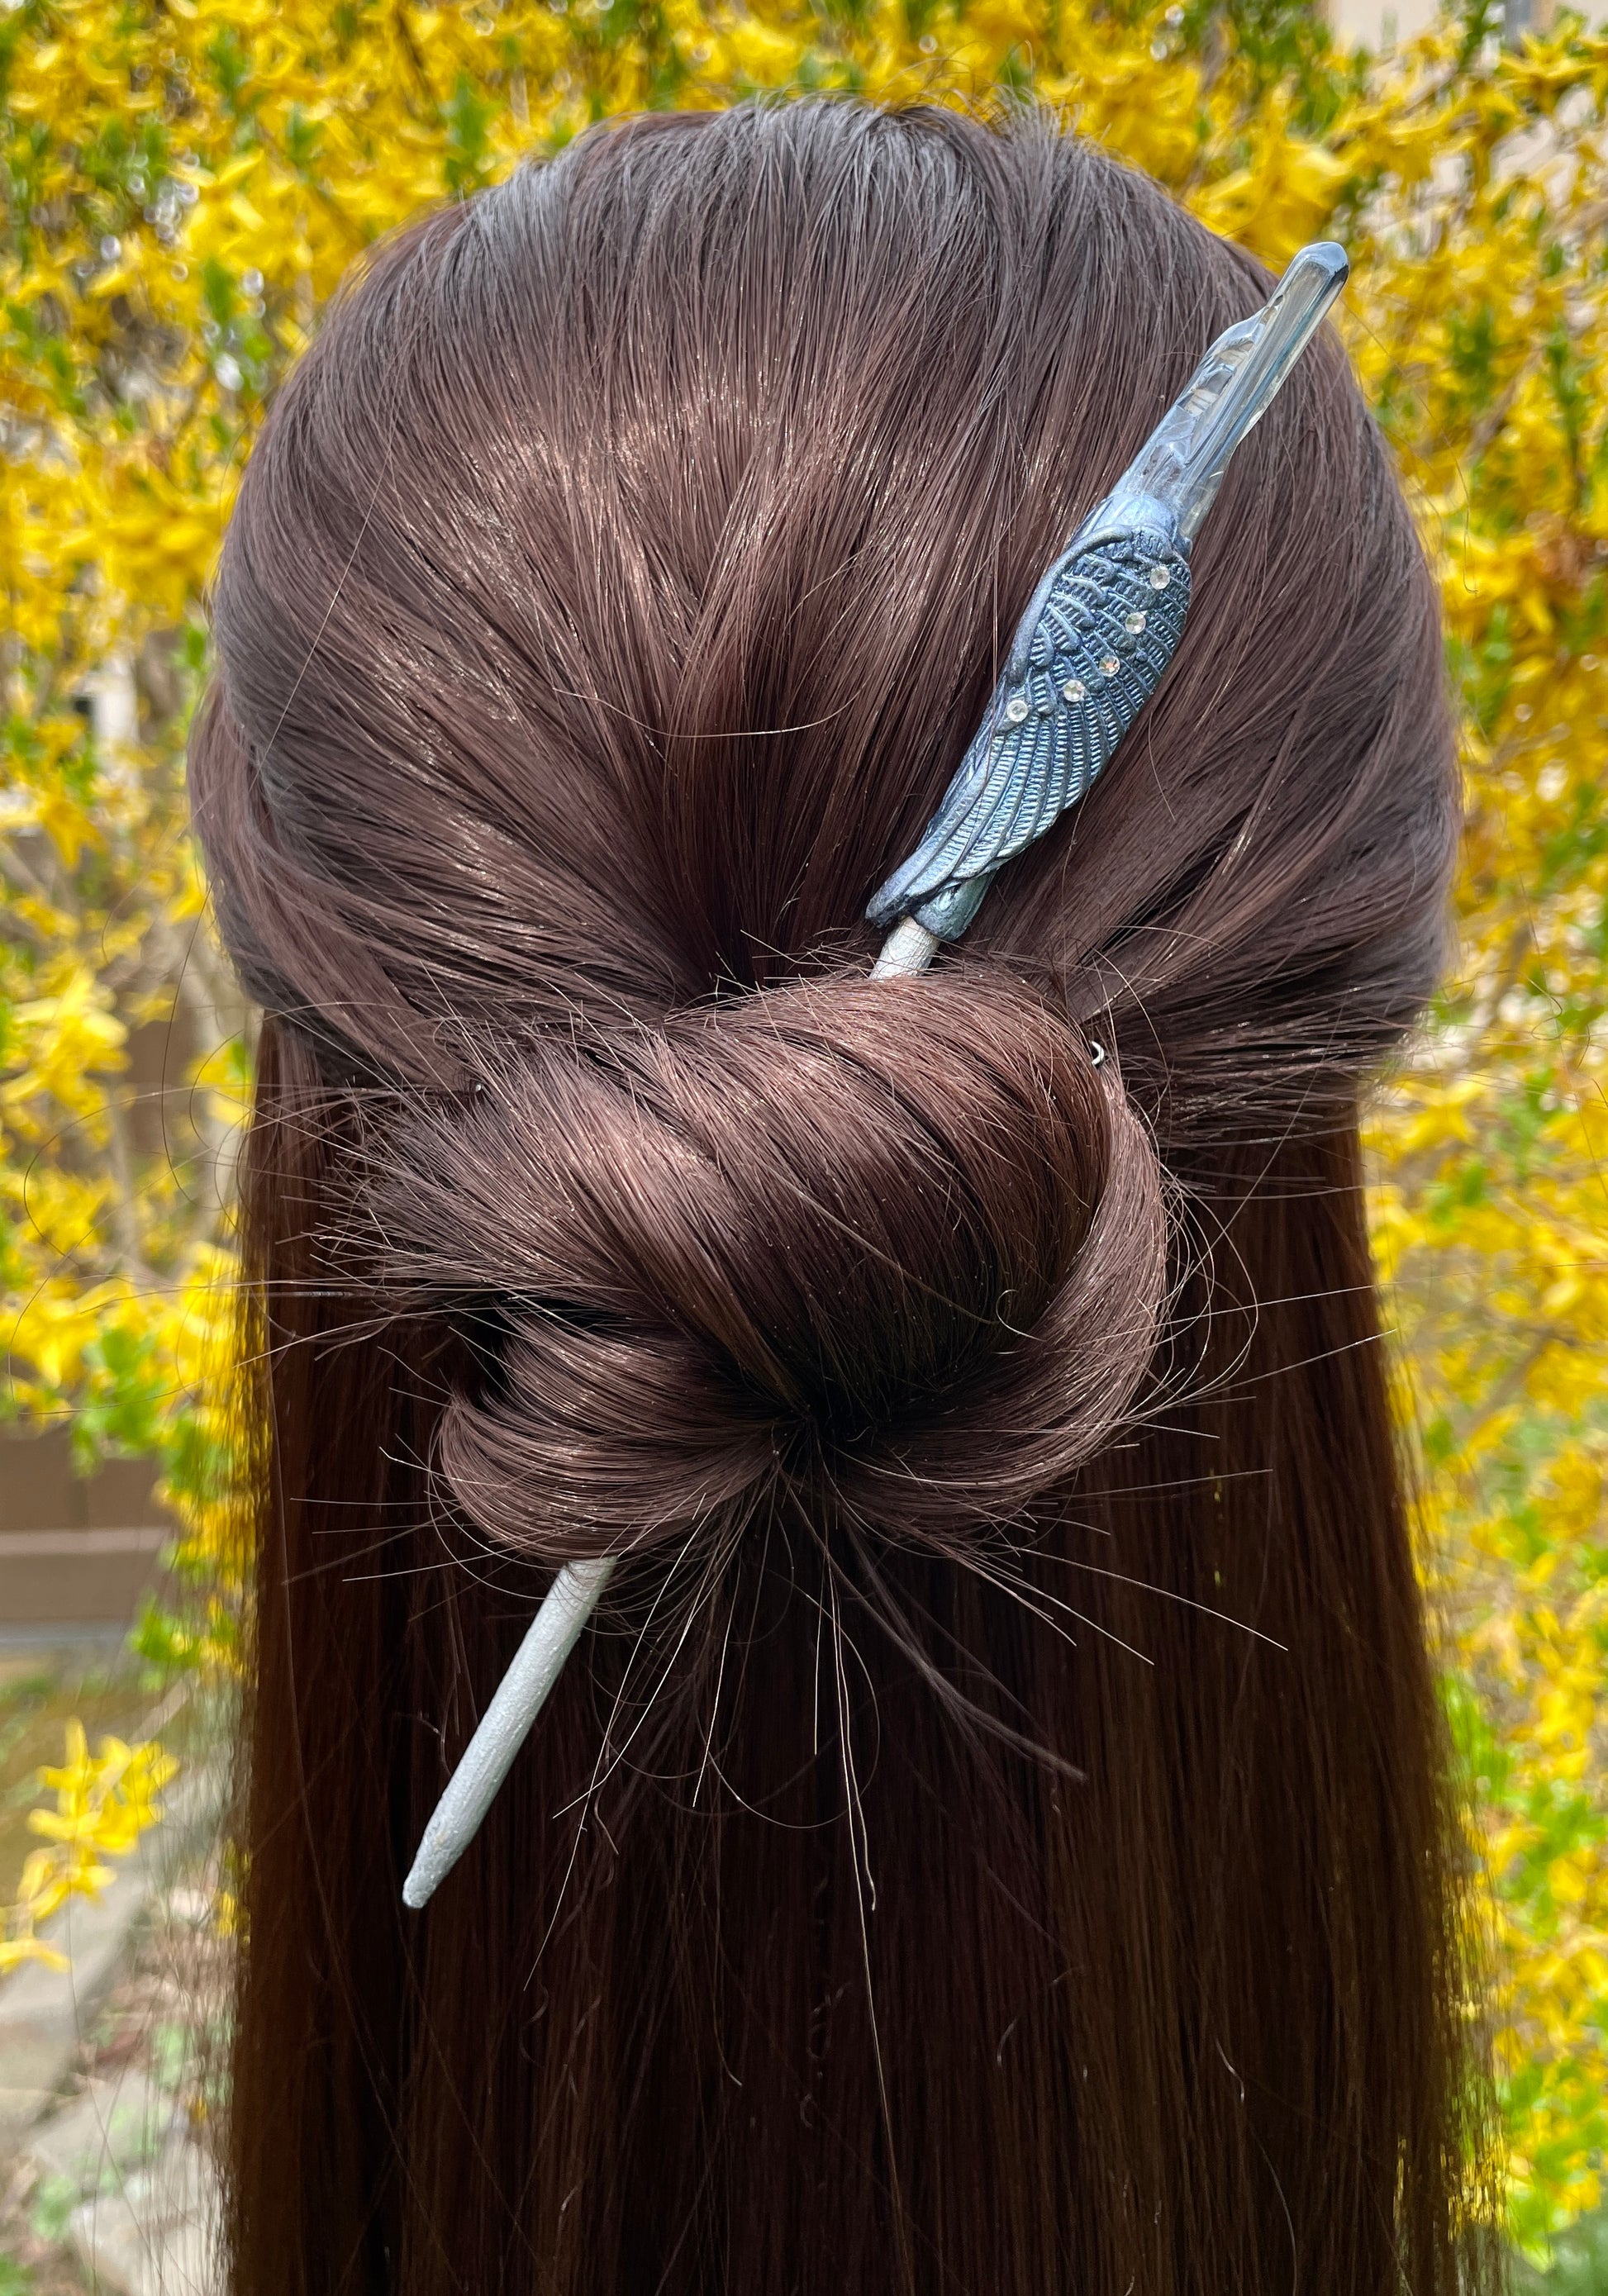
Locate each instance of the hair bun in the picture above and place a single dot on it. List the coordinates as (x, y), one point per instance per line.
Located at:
(900, 1241)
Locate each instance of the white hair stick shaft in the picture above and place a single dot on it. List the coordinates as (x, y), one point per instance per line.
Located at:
(908, 948)
(521, 1695)
(557, 1627)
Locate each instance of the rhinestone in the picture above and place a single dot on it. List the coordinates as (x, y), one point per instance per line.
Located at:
(1075, 690)
(1016, 708)
(1160, 577)
(1110, 666)
(1133, 623)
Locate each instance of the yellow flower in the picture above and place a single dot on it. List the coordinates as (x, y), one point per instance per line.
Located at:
(104, 1802)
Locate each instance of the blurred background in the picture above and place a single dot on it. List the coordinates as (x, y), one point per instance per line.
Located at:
(182, 185)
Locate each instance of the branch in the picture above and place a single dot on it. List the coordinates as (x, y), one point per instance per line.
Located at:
(125, 1219)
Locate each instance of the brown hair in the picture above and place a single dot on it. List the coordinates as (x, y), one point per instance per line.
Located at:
(994, 1838)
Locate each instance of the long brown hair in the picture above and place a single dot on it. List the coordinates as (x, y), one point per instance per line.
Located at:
(995, 1839)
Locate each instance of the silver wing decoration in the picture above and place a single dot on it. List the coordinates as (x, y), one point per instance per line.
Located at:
(1101, 625)
(1091, 652)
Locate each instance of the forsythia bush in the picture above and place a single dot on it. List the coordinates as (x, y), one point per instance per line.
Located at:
(184, 183)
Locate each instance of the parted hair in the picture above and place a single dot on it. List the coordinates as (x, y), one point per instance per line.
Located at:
(995, 1837)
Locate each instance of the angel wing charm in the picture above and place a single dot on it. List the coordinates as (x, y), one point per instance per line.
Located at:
(1089, 652)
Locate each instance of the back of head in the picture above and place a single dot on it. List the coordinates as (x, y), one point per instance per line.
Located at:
(993, 1838)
